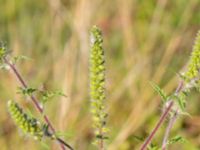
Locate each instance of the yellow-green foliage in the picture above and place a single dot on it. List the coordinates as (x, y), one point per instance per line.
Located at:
(194, 64)
(2, 51)
(97, 82)
(29, 125)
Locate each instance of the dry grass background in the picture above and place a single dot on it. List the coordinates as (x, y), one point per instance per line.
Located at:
(144, 40)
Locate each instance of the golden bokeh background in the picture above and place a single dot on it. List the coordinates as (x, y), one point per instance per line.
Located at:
(144, 40)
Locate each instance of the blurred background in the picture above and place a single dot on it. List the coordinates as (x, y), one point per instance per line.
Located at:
(144, 40)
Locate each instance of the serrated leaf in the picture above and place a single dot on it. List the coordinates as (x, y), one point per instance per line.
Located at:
(26, 91)
(20, 57)
(162, 94)
(153, 147)
(47, 95)
(181, 102)
(176, 139)
(138, 138)
(185, 114)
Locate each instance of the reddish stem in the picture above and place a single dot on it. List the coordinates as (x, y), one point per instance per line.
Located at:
(170, 125)
(172, 120)
(162, 118)
(35, 101)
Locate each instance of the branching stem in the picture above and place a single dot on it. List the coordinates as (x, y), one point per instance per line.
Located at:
(36, 103)
(168, 129)
(161, 120)
(172, 120)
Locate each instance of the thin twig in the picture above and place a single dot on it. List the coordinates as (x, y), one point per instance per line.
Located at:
(64, 143)
(162, 118)
(169, 127)
(172, 120)
(35, 101)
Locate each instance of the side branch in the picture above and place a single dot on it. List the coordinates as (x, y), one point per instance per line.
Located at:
(169, 127)
(162, 118)
(36, 103)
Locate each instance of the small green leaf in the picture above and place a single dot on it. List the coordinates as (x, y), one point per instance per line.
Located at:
(176, 139)
(185, 114)
(3, 51)
(153, 147)
(181, 101)
(138, 138)
(47, 95)
(19, 58)
(26, 91)
(162, 94)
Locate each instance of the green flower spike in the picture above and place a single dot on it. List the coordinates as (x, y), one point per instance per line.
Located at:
(29, 125)
(97, 84)
(194, 63)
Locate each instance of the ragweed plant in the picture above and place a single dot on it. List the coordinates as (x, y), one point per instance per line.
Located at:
(28, 124)
(190, 78)
(175, 103)
(194, 63)
(97, 86)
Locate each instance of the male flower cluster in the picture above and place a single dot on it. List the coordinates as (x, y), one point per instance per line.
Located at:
(29, 125)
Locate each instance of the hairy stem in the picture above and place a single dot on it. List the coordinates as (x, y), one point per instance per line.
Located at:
(162, 118)
(35, 101)
(168, 129)
(172, 120)
(64, 143)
